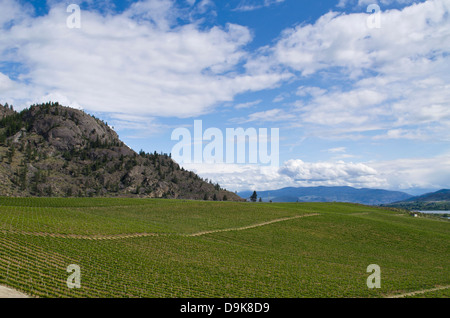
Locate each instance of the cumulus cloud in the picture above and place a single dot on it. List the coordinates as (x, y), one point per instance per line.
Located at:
(431, 173)
(292, 173)
(136, 61)
(345, 40)
(239, 177)
(331, 173)
(337, 107)
(392, 78)
(12, 12)
(400, 174)
(6, 84)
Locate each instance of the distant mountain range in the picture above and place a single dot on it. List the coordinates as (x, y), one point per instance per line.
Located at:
(438, 201)
(441, 195)
(330, 194)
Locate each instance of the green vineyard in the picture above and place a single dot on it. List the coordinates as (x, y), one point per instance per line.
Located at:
(159, 248)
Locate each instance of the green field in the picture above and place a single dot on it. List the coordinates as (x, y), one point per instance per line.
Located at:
(174, 248)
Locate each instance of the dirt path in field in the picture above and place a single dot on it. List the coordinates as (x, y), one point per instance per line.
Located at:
(251, 226)
(418, 292)
(6, 292)
(134, 235)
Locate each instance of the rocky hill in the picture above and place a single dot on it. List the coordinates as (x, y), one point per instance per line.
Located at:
(52, 150)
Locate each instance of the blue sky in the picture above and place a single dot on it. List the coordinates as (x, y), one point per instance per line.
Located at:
(357, 101)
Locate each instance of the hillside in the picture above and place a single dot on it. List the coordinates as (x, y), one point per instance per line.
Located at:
(434, 201)
(329, 194)
(52, 150)
(134, 248)
(441, 195)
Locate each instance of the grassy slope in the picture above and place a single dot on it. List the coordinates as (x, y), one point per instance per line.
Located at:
(319, 256)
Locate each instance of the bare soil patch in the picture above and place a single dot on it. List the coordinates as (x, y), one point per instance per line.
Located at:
(6, 292)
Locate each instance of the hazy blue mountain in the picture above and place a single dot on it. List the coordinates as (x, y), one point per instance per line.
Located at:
(329, 194)
(434, 201)
(441, 195)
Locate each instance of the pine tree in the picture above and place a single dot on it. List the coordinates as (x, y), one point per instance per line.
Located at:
(254, 197)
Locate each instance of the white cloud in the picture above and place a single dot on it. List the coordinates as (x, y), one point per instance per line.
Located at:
(345, 40)
(401, 134)
(248, 104)
(335, 108)
(12, 12)
(310, 90)
(331, 173)
(250, 5)
(393, 78)
(272, 115)
(337, 150)
(6, 83)
(432, 173)
(408, 173)
(137, 126)
(162, 13)
(359, 3)
(294, 173)
(236, 177)
(135, 62)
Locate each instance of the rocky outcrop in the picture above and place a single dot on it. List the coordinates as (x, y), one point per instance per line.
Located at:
(52, 150)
